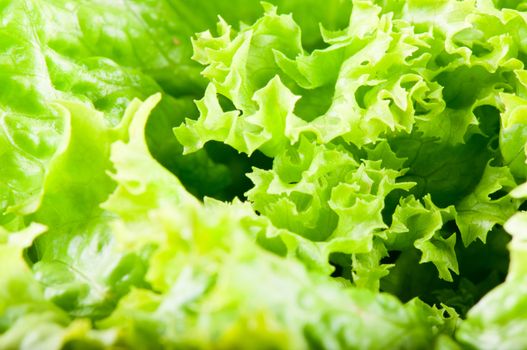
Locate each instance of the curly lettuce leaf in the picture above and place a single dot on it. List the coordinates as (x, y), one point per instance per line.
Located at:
(430, 106)
(205, 271)
(392, 145)
(419, 224)
(478, 212)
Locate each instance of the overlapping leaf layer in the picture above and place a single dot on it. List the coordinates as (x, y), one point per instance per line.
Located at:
(343, 186)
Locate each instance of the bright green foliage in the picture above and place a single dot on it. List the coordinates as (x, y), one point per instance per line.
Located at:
(405, 109)
(419, 224)
(206, 272)
(402, 135)
(345, 178)
(499, 319)
(76, 260)
(27, 319)
(478, 213)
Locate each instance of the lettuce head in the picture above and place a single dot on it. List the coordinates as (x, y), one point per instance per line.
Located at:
(279, 175)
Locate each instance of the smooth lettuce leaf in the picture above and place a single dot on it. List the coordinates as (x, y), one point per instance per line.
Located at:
(499, 318)
(75, 259)
(44, 60)
(103, 55)
(24, 306)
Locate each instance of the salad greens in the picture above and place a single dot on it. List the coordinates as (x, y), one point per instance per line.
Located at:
(298, 174)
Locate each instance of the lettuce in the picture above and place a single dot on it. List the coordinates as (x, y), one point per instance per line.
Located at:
(395, 129)
(298, 174)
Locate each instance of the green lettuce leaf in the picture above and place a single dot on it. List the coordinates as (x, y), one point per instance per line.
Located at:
(75, 260)
(54, 60)
(363, 155)
(205, 271)
(393, 142)
(499, 318)
(478, 212)
(24, 306)
(419, 224)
